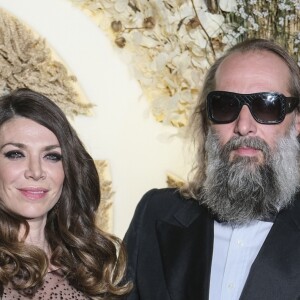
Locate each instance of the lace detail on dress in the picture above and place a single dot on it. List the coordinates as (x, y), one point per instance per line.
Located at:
(55, 287)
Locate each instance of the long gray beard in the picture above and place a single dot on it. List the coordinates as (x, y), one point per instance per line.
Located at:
(243, 189)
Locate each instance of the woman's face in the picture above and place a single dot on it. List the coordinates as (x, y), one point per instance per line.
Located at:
(31, 170)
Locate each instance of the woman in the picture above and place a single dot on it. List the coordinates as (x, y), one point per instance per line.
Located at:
(50, 247)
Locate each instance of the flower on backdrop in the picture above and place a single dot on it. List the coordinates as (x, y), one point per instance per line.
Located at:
(171, 44)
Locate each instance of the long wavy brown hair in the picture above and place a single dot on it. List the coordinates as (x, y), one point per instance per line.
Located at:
(199, 124)
(93, 261)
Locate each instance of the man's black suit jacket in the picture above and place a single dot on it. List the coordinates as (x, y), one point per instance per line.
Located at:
(170, 244)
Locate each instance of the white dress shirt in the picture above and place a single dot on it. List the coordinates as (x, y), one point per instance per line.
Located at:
(235, 249)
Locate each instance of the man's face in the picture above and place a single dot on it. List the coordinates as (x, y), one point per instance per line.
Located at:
(253, 72)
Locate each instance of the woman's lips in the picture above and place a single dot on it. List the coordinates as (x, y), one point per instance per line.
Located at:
(33, 193)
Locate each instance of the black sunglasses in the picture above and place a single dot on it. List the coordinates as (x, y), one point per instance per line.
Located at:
(266, 108)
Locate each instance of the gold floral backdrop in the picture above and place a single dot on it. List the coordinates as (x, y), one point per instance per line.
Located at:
(27, 61)
(170, 44)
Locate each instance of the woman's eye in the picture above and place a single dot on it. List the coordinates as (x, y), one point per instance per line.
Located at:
(53, 156)
(13, 154)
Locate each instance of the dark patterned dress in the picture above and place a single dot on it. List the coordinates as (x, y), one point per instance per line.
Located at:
(55, 287)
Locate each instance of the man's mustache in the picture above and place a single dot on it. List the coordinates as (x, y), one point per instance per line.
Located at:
(252, 142)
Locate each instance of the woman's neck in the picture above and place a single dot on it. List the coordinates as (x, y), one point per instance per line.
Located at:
(36, 235)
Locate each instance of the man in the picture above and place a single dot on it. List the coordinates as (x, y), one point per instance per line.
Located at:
(234, 231)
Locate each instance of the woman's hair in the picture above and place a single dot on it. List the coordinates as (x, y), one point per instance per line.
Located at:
(199, 124)
(92, 261)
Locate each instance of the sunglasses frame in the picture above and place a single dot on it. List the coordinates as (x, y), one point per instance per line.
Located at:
(288, 104)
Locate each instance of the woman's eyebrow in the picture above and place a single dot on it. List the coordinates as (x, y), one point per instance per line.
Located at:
(18, 145)
(22, 146)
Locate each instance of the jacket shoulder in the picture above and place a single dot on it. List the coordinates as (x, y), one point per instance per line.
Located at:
(167, 201)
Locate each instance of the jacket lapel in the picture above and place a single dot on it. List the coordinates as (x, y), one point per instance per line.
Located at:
(186, 244)
(277, 265)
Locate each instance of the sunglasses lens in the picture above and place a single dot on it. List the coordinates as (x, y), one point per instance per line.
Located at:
(223, 108)
(267, 108)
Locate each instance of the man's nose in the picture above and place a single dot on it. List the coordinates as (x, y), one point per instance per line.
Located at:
(245, 123)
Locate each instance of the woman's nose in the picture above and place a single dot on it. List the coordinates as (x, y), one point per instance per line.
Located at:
(35, 169)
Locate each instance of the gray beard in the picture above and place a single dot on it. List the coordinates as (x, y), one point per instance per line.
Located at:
(243, 189)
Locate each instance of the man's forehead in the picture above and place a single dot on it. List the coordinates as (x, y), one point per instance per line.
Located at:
(253, 71)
